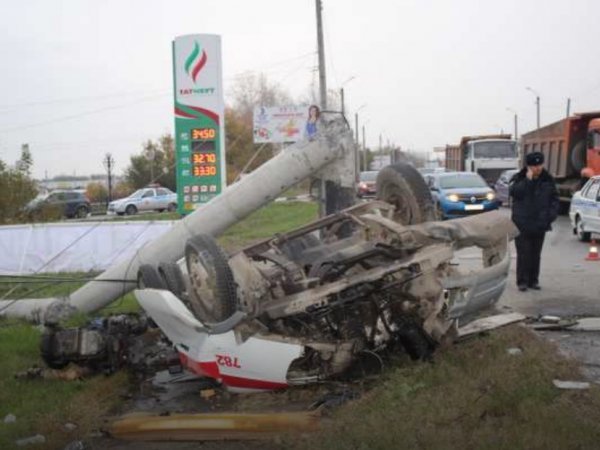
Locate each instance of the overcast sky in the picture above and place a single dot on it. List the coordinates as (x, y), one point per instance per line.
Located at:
(80, 77)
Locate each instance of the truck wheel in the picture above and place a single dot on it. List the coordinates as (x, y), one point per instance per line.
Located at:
(583, 236)
(403, 186)
(148, 278)
(213, 294)
(578, 156)
(173, 278)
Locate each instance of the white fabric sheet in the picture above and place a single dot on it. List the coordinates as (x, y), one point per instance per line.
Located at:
(73, 247)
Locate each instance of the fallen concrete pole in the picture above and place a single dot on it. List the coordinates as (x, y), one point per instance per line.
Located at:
(291, 166)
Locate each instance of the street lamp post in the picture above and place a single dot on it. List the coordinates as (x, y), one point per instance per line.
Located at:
(109, 164)
(537, 104)
(357, 141)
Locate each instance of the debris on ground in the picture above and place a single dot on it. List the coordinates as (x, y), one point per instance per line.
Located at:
(571, 384)
(514, 351)
(207, 393)
(68, 427)
(37, 439)
(587, 324)
(75, 445)
(70, 373)
(10, 418)
(490, 323)
(334, 399)
(223, 426)
(565, 323)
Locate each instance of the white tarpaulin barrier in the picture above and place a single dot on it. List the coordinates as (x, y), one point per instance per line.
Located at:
(73, 247)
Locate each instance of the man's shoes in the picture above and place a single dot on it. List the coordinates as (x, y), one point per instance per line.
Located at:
(535, 287)
(522, 287)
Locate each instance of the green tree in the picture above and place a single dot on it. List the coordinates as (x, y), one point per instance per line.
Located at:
(155, 164)
(17, 189)
(26, 161)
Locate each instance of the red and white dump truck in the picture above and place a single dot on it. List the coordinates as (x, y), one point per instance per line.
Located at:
(487, 155)
(571, 148)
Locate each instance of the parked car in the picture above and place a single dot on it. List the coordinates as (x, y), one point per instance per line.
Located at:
(366, 184)
(146, 199)
(585, 210)
(457, 194)
(64, 203)
(501, 186)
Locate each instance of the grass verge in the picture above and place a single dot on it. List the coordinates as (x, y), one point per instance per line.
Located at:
(474, 396)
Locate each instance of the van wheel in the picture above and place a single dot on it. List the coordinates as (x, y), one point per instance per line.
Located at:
(148, 278)
(213, 291)
(403, 186)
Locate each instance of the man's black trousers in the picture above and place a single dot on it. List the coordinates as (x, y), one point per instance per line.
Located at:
(529, 251)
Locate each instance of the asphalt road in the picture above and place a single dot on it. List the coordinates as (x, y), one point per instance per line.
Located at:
(570, 288)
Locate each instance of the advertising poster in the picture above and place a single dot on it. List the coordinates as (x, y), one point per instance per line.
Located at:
(279, 124)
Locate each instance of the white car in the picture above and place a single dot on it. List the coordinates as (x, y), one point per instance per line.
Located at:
(146, 199)
(585, 210)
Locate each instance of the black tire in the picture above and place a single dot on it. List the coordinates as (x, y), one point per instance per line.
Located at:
(213, 292)
(46, 346)
(131, 210)
(583, 236)
(403, 186)
(579, 156)
(82, 212)
(148, 277)
(173, 278)
(172, 207)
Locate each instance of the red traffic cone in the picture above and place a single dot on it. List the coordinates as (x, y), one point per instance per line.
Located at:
(593, 253)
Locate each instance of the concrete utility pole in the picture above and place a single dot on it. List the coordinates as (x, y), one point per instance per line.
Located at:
(342, 101)
(568, 106)
(321, 52)
(537, 104)
(109, 164)
(364, 148)
(516, 135)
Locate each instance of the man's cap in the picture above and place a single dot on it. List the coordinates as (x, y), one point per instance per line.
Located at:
(534, 159)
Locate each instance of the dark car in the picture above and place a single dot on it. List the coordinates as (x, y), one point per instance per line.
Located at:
(366, 184)
(501, 186)
(63, 203)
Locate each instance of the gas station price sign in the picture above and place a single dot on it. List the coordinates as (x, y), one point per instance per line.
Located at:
(199, 112)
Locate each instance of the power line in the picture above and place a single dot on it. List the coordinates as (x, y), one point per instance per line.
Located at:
(82, 114)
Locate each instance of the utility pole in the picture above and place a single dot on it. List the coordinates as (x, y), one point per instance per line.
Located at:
(537, 104)
(568, 106)
(357, 147)
(342, 100)
(109, 164)
(321, 52)
(364, 148)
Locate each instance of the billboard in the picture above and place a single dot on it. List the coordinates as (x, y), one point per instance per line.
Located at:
(199, 119)
(279, 124)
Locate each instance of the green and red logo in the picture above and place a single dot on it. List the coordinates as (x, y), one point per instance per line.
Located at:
(195, 62)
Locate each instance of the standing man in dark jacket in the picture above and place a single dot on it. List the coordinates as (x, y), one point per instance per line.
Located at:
(535, 206)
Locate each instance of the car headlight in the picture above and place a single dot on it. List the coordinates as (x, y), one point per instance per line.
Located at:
(452, 197)
(490, 196)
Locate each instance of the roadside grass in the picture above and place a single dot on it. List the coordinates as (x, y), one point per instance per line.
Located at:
(271, 219)
(473, 396)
